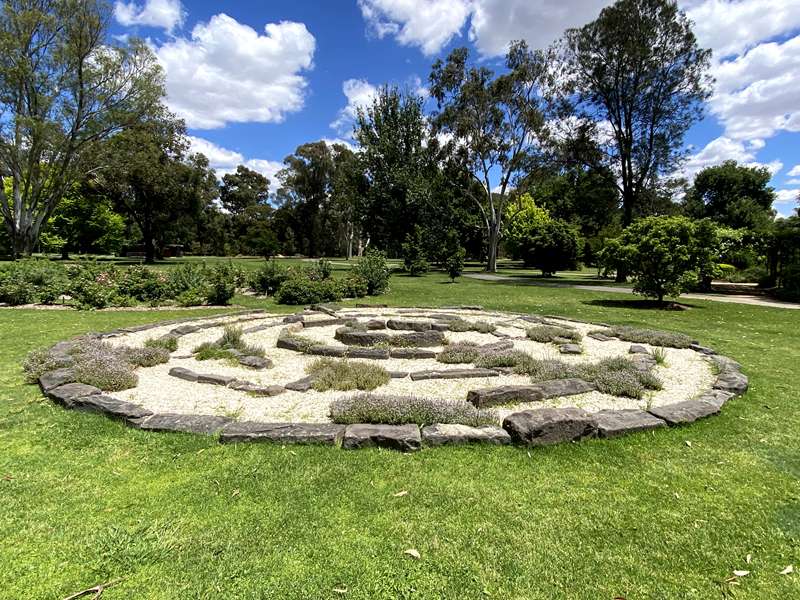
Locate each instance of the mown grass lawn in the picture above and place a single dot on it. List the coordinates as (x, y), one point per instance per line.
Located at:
(669, 514)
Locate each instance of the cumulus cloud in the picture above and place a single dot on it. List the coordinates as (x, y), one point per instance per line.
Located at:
(722, 149)
(794, 171)
(163, 14)
(359, 94)
(227, 72)
(225, 161)
(786, 201)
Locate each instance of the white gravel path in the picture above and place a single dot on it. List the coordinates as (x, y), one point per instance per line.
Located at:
(685, 374)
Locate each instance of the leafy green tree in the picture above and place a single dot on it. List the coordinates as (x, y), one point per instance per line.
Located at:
(243, 189)
(552, 245)
(414, 256)
(494, 123)
(64, 87)
(349, 196)
(638, 70)
(524, 216)
(733, 195)
(454, 256)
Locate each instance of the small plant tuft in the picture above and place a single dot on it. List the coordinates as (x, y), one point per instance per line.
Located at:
(168, 343)
(547, 333)
(343, 375)
(399, 410)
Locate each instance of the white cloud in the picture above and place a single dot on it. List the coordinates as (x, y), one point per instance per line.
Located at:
(359, 94)
(225, 161)
(794, 171)
(720, 150)
(730, 28)
(164, 14)
(793, 182)
(786, 201)
(226, 72)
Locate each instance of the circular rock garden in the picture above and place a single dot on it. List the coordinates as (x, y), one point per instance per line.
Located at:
(401, 378)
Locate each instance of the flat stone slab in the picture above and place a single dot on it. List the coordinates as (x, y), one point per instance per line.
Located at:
(453, 374)
(405, 438)
(420, 339)
(282, 433)
(374, 324)
(255, 389)
(408, 325)
(255, 362)
(688, 411)
(451, 434)
(716, 397)
(643, 362)
(731, 381)
(183, 373)
(373, 353)
(570, 349)
(53, 379)
(497, 346)
(411, 353)
(301, 385)
(702, 349)
(65, 394)
(206, 424)
(354, 337)
(600, 337)
(322, 350)
(548, 426)
(111, 407)
(288, 343)
(513, 394)
(613, 423)
(213, 379)
(322, 323)
(185, 330)
(398, 374)
(637, 349)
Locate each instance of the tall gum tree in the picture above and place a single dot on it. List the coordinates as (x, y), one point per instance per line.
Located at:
(63, 88)
(493, 125)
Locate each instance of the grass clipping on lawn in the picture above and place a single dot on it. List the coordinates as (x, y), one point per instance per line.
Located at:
(343, 375)
(399, 410)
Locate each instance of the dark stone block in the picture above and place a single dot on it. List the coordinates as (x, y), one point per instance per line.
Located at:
(322, 350)
(643, 362)
(702, 349)
(288, 343)
(411, 353)
(731, 381)
(570, 349)
(453, 374)
(637, 349)
(612, 423)
(301, 385)
(398, 374)
(716, 397)
(446, 434)
(420, 339)
(322, 323)
(185, 330)
(353, 337)
(183, 373)
(255, 362)
(684, 412)
(600, 337)
(408, 325)
(725, 364)
(255, 389)
(111, 407)
(293, 319)
(405, 438)
(500, 346)
(67, 393)
(374, 324)
(206, 424)
(549, 426)
(508, 394)
(283, 433)
(373, 353)
(325, 308)
(53, 379)
(213, 379)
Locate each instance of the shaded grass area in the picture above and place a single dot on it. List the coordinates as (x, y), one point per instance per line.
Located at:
(84, 499)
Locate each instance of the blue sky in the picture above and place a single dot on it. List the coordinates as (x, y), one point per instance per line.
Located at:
(254, 80)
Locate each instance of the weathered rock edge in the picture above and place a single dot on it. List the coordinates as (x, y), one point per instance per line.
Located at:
(529, 428)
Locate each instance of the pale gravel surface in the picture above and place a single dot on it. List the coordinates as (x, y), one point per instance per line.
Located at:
(685, 375)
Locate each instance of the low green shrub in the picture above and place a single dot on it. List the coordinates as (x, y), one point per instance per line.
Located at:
(399, 410)
(32, 281)
(353, 286)
(342, 375)
(545, 369)
(501, 358)
(147, 356)
(298, 291)
(547, 333)
(461, 325)
(459, 352)
(104, 366)
(647, 336)
(210, 351)
(222, 279)
(39, 362)
(374, 270)
(232, 339)
(268, 278)
(167, 342)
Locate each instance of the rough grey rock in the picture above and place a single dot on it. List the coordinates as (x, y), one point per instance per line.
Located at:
(293, 319)
(570, 349)
(301, 385)
(256, 389)
(716, 397)
(637, 349)
(322, 350)
(282, 433)
(373, 353)
(724, 363)
(185, 330)
(408, 325)
(53, 379)
(322, 323)
(420, 339)
(561, 340)
(288, 343)
(372, 305)
(405, 438)
(684, 412)
(702, 349)
(612, 423)
(111, 407)
(374, 324)
(353, 337)
(213, 379)
(398, 374)
(643, 362)
(207, 424)
(549, 426)
(508, 394)
(449, 434)
(255, 362)
(731, 381)
(600, 337)
(453, 374)
(411, 353)
(497, 346)
(329, 310)
(499, 334)
(440, 326)
(183, 373)
(67, 393)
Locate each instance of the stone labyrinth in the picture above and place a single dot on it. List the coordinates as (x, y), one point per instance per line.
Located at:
(491, 377)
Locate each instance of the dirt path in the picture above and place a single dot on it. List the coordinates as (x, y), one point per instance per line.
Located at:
(735, 299)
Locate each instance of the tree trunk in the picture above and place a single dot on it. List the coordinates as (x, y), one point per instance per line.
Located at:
(491, 250)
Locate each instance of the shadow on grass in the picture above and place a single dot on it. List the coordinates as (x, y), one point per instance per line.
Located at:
(639, 304)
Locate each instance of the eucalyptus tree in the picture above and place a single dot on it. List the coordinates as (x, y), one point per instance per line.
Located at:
(64, 87)
(638, 81)
(493, 124)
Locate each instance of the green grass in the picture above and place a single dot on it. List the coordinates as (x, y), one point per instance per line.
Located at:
(84, 499)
